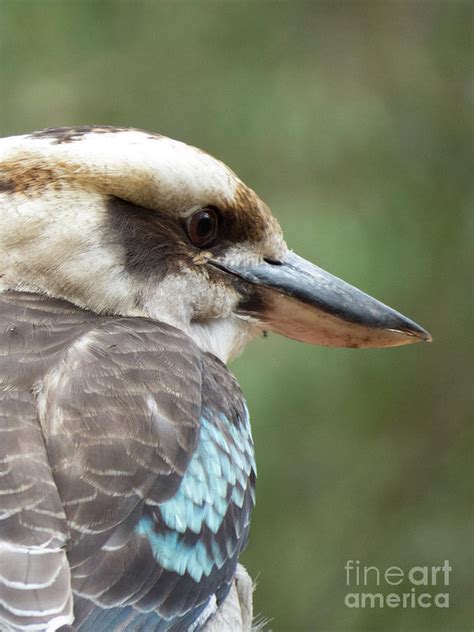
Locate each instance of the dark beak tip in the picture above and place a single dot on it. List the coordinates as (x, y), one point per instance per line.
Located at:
(415, 334)
(426, 336)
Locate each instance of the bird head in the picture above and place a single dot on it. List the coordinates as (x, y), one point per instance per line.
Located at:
(121, 221)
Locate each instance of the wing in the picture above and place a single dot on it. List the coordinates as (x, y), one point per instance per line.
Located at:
(98, 414)
(143, 462)
(120, 417)
(176, 557)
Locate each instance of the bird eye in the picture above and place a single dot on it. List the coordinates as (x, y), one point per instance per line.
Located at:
(202, 227)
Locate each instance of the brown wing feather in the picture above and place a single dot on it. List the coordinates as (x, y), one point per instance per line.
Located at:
(111, 396)
(34, 572)
(77, 386)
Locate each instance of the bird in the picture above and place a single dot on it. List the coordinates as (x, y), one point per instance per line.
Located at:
(134, 268)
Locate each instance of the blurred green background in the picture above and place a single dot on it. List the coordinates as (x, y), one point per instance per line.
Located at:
(351, 120)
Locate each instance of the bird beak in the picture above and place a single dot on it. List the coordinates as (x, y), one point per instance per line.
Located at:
(301, 301)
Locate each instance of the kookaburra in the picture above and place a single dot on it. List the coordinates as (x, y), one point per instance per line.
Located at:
(133, 268)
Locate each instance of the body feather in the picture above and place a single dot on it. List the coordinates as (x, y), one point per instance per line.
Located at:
(127, 468)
